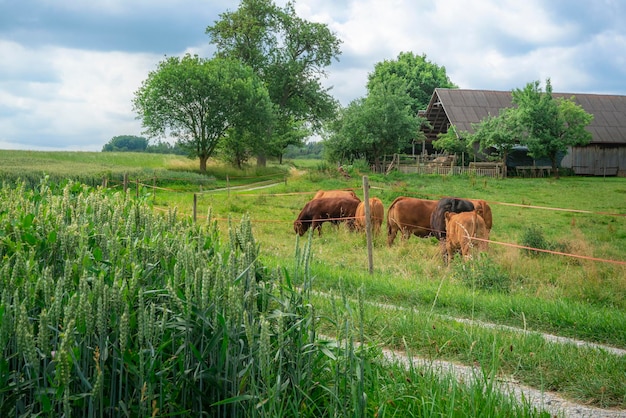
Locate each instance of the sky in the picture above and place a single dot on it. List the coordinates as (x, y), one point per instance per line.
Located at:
(69, 68)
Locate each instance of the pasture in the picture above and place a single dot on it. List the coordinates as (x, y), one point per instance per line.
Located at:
(577, 297)
(413, 302)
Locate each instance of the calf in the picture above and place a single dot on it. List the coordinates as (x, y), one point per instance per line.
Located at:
(461, 228)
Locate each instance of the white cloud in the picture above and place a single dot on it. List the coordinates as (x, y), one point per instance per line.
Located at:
(86, 101)
(70, 69)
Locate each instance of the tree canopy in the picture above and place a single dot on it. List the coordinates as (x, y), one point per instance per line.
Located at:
(550, 125)
(200, 101)
(126, 143)
(289, 54)
(545, 125)
(382, 123)
(422, 77)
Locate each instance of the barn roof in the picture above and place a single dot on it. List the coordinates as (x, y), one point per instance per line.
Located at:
(461, 108)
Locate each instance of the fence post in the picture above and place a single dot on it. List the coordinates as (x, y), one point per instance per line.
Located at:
(154, 189)
(195, 207)
(368, 224)
(125, 182)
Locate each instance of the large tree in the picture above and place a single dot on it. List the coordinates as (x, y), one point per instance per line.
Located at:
(382, 123)
(290, 55)
(199, 101)
(550, 125)
(421, 77)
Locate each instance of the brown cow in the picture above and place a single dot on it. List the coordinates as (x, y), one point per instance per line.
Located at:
(460, 229)
(377, 214)
(410, 216)
(327, 209)
(335, 193)
(483, 209)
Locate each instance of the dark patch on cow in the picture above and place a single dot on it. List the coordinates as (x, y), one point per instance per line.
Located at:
(438, 217)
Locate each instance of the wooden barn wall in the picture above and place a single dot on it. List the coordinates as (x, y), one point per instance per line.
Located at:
(597, 160)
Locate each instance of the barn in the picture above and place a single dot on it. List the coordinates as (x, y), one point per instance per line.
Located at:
(605, 155)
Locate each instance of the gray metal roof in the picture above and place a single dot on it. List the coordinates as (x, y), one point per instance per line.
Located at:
(461, 108)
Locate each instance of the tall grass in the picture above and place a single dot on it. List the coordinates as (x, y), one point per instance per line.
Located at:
(108, 309)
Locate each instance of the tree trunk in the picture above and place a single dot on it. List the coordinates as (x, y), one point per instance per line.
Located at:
(261, 160)
(203, 161)
(555, 167)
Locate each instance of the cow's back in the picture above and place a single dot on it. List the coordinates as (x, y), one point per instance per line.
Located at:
(335, 193)
(409, 215)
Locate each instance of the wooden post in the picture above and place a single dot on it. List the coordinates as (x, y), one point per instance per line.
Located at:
(125, 182)
(195, 207)
(368, 224)
(154, 189)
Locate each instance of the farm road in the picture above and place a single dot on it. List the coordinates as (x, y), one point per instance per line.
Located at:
(548, 401)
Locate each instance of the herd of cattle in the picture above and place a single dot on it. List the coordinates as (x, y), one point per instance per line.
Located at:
(459, 224)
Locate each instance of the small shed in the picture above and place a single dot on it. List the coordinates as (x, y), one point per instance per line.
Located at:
(605, 155)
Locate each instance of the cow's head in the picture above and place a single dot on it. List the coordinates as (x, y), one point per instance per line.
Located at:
(300, 227)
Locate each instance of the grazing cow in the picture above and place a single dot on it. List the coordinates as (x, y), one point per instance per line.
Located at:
(461, 228)
(335, 193)
(377, 213)
(328, 209)
(438, 217)
(409, 215)
(483, 209)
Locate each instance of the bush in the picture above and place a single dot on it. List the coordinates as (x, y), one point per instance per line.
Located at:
(533, 238)
(481, 273)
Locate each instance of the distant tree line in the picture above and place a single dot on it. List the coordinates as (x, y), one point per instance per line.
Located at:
(131, 143)
(311, 150)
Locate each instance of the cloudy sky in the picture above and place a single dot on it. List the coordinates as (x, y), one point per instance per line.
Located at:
(69, 68)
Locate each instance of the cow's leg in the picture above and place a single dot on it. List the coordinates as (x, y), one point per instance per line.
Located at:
(392, 230)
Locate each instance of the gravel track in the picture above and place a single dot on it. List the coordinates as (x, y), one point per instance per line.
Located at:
(549, 401)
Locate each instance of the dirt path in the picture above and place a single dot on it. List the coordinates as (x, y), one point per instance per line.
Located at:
(549, 401)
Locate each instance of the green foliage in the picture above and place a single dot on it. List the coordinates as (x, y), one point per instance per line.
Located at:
(534, 238)
(310, 150)
(198, 101)
(550, 126)
(451, 142)
(289, 54)
(498, 134)
(421, 76)
(382, 123)
(482, 273)
(128, 143)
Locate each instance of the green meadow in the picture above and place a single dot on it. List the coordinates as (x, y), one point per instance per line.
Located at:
(412, 302)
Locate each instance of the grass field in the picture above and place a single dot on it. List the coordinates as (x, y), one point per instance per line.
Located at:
(582, 297)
